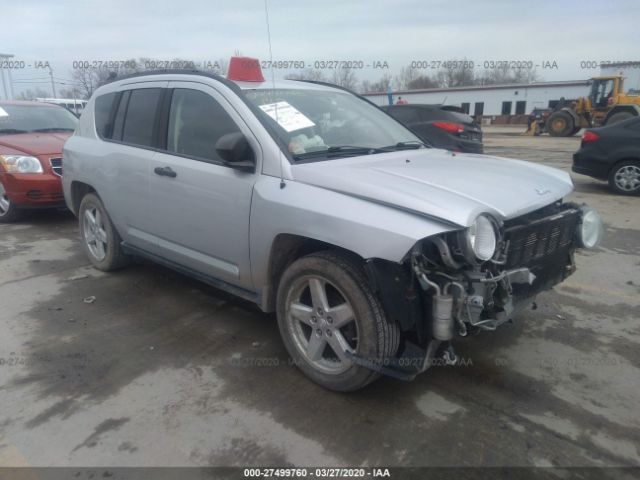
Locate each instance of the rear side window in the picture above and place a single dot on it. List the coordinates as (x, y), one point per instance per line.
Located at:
(196, 122)
(404, 114)
(140, 117)
(104, 105)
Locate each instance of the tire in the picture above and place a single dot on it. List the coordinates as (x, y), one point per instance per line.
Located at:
(575, 130)
(100, 240)
(624, 177)
(364, 329)
(619, 117)
(560, 124)
(9, 213)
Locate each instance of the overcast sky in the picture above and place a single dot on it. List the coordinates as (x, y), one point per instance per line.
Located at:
(397, 32)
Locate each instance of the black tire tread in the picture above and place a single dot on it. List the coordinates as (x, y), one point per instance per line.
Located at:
(570, 124)
(388, 332)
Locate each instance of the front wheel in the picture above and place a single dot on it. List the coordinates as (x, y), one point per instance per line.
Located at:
(560, 124)
(326, 310)
(100, 239)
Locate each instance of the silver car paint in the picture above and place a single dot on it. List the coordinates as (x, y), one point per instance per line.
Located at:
(377, 206)
(453, 187)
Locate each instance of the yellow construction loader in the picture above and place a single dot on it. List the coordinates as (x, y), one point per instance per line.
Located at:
(606, 104)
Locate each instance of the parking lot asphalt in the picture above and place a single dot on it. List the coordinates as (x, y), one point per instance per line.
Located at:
(160, 370)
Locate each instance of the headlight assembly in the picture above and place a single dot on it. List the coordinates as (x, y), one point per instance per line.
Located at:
(482, 238)
(590, 228)
(20, 164)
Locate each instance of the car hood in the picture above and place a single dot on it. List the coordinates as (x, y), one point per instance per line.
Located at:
(454, 188)
(34, 143)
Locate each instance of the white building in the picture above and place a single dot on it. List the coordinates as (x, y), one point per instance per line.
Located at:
(493, 100)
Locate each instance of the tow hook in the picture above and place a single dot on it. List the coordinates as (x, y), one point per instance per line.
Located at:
(449, 356)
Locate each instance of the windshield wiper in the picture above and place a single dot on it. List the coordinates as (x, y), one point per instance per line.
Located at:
(339, 151)
(411, 145)
(342, 150)
(53, 129)
(12, 130)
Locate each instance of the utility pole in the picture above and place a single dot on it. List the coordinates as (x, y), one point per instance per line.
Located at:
(53, 85)
(9, 95)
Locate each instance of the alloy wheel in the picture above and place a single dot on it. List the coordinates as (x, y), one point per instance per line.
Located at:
(94, 232)
(322, 324)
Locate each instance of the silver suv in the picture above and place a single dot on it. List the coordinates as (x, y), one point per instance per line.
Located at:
(374, 250)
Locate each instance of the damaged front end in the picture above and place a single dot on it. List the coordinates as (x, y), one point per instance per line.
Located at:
(475, 279)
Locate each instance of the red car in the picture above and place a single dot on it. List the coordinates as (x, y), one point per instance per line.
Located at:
(31, 138)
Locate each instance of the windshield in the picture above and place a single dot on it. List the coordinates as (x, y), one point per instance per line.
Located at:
(325, 124)
(35, 118)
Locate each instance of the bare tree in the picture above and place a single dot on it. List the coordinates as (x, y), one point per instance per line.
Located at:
(308, 74)
(380, 85)
(345, 77)
(505, 75)
(456, 74)
(423, 81)
(222, 66)
(407, 75)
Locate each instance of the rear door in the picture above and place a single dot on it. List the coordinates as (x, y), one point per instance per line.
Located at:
(200, 211)
(127, 127)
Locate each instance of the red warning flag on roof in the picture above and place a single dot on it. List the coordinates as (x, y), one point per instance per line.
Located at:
(245, 69)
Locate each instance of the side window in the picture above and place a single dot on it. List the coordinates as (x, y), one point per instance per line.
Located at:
(196, 122)
(104, 104)
(140, 116)
(118, 121)
(404, 114)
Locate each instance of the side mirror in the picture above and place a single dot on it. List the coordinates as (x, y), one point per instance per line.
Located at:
(236, 152)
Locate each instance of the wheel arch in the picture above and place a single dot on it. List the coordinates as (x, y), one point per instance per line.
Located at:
(286, 248)
(78, 190)
(624, 158)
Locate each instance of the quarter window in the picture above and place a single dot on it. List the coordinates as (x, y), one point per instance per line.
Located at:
(104, 104)
(140, 117)
(196, 122)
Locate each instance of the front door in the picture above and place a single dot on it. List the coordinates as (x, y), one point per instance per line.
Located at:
(200, 207)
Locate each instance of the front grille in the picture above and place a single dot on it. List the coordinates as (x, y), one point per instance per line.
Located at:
(538, 240)
(56, 165)
(40, 195)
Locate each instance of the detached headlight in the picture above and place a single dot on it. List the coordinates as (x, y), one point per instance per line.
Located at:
(482, 238)
(590, 229)
(20, 164)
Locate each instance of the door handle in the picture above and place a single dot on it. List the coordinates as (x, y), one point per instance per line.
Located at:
(165, 172)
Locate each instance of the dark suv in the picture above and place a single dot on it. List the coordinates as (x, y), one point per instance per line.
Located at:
(442, 126)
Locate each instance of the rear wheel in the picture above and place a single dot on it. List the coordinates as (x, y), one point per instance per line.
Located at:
(560, 124)
(619, 117)
(101, 241)
(8, 211)
(625, 177)
(327, 308)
